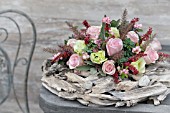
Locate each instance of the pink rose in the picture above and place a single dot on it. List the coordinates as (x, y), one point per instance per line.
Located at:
(71, 42)
(94, 32)
(155, 44)
(106, 20)
(133, 36)
(109, 67)
(136, 50)
(74, 61)
(151, 55)
(114, 46)
(137, 26)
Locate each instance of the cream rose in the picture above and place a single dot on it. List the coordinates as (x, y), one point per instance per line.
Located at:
(74, 61)
(114, 46)
(109, 67)
(94, 32)
(151, 55)
(133, 36)
(114, 31)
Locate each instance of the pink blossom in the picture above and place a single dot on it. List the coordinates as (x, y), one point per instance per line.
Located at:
(151, 55)
(71, 42)
(98, 42)
(114, 46)
(133, 36)
(74, 61)
(106, 20)
(85, 56)
(125, 71)
(136, 50)
(138, 26)
(109, 67)
(155, 44)
(94, 32)
(56, 55)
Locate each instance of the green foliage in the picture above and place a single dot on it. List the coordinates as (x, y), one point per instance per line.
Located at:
(93, 71)
(65, 42)
(139, 30)
(89, 62)
(62, 62)
(102, 32)
(124, 76)
(115, 23)
(101, 72)
(122, 60)
(127, 46)
(84, 68)
(107, 34)
(89, 47)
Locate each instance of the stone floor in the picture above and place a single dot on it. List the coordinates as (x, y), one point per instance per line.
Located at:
(50, 16)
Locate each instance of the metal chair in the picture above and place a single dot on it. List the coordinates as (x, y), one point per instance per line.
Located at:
(8, 65)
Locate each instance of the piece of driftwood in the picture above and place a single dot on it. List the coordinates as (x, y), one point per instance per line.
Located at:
(94, 90)
(134, 94)
(127, 85)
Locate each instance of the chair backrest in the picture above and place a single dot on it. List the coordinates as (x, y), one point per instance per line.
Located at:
(8, 64)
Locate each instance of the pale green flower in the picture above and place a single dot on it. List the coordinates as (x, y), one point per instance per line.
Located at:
(114, 31)
(79, 46)
(98, 57)
(139, 65)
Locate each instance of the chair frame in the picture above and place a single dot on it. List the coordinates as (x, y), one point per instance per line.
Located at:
(11, 65)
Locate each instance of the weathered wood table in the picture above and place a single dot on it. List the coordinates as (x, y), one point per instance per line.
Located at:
(50, 103)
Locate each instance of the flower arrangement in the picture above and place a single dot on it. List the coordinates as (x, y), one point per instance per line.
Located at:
(117, 48)
(108, 65)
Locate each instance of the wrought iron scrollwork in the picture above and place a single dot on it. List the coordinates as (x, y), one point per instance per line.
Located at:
(7, 65)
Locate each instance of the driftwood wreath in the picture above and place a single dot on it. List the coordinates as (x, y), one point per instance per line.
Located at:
(90, 89)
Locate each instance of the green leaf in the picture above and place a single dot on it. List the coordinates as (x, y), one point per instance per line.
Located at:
(101, 72)
(124, 59)
(89, 62)
(61, 62)
(107, 34)
(84, 68)
(115, 23)
(102, 31)
(65, 42)
(124, 76)
(93, 71)
(139, 30)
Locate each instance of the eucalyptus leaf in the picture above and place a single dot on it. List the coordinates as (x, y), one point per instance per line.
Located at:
(93, 71)
(84, 68)
(89, 62)
(101, 72)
